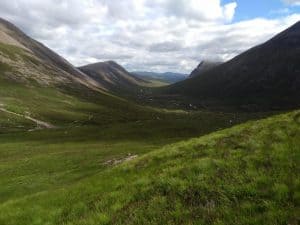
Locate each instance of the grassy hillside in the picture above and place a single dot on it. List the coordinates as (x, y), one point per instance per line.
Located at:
(29, 87)
(114, 78)
(248, 174)
(38, 85)
(164, 78)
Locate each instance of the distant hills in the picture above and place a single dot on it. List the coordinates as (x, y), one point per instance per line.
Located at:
(167, 77)
(112, 76)
(265, 77)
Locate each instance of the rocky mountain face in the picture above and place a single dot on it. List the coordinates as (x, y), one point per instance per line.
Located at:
(32, 61)
(266, 76)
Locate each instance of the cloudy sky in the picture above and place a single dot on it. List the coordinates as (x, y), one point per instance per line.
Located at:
(151, 35)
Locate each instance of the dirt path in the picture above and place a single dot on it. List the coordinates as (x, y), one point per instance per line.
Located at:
(39, 123)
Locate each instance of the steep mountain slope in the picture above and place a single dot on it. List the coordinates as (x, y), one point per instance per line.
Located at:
(203, 67)
(266, 76)
(39, 87)
(167, 77)
(244, 175)
(112, 76)
(58, 70)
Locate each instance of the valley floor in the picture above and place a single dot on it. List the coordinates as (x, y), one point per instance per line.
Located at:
(106, 175)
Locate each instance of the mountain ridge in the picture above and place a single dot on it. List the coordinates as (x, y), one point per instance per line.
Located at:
(203, 67)
(112, 76)
(19, 39)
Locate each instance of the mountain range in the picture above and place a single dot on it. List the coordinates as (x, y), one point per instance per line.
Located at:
(40, 89)
(262, 78)
(76, 147)
(32, 61)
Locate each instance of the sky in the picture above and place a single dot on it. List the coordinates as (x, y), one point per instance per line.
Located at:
(151, 35)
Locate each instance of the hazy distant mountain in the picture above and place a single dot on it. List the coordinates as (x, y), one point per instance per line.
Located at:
(167, 77)
(203, 67)
(112, 76)
(266, 76)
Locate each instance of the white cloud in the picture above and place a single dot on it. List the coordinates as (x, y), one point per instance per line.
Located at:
(159, 35)
(292, 2)
(202, 10)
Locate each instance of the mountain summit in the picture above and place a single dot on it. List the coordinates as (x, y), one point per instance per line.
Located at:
(112, 76)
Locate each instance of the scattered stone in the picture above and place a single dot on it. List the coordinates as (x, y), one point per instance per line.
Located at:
(113, 162)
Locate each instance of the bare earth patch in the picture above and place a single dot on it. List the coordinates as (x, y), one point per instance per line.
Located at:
(114, 162)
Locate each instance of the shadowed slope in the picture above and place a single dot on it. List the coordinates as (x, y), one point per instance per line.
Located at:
(265, 76)
(203, 67)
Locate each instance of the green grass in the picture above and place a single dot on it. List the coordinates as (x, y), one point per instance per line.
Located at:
(10, 123)
(155, 82)
(11, 51)
(248, 174)
(78, 106)
(87, 146)
(243, 175)
(69, 105)
(4, 67)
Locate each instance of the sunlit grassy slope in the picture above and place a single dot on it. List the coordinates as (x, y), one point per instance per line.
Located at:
(248, 174)
(59, 103)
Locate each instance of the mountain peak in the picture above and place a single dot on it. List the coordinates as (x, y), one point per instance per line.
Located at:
(112, 76)
(111, 62)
